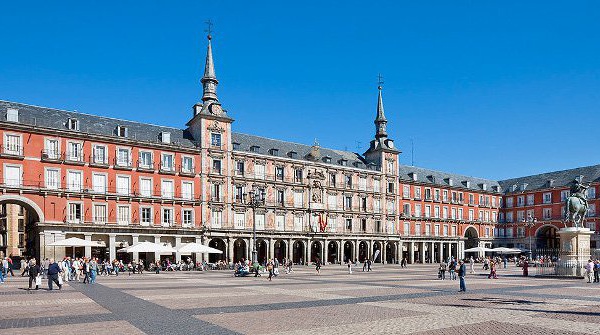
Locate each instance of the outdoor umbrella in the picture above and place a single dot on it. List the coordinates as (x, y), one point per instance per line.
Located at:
(192, 248)
(74, 242)
(148, 247)
(503, 250)
(478, 249)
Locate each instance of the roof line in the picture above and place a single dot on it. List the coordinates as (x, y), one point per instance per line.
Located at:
(448, 173)
(551, 172)
(92, 115)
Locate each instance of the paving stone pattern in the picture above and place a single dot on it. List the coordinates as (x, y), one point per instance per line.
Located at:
(388, 300)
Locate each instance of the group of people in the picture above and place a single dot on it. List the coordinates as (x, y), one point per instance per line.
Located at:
(592, 271)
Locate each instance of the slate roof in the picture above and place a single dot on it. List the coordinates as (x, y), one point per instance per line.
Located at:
(245, 141)
(561, 179)
(93, 124)
(438, 178)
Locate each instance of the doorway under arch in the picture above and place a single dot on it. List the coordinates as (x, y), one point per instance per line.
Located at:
(218, 244)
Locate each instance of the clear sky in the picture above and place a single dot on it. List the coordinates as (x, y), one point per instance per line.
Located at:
(489, 89)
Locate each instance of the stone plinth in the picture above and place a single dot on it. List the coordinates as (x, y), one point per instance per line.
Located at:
(574, 251)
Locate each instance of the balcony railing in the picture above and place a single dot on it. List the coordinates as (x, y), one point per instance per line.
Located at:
(74, 157)
(145, 166)
(13, 150)
(187, 171)
(99, 160)
(50, 155)
(167, 169)
(122, 164)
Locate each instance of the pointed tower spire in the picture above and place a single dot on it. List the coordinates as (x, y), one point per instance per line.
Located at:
(380, 120)
(209, 79)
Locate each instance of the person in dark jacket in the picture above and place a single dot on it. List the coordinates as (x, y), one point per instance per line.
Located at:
(462, 271)
(53, 271)
(34, 270)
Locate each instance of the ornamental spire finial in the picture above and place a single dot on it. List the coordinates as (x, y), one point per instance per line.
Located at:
(380, 120)
(209, 79)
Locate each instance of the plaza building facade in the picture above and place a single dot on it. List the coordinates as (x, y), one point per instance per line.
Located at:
(120, 182)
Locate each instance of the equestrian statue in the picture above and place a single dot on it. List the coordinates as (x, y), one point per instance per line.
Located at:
(576, 205)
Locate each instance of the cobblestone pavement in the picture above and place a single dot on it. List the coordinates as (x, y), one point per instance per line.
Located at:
(388, 300)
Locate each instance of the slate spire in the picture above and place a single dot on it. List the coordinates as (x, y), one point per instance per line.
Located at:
(209, 79)
(380, 120)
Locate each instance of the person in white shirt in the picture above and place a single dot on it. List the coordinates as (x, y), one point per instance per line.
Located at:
(589, 271)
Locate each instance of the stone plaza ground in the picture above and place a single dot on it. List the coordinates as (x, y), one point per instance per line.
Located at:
(388, 300)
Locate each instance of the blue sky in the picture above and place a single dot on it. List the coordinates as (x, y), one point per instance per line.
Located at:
(481, 89)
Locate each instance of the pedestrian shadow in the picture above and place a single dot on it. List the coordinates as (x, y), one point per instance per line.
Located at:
(504, 301)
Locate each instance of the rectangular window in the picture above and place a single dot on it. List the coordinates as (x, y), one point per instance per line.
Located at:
(123, 155)
(436, 195)
(146, 187)
(52, 149)
(167, 217)
(564, 195)
(281, 197)
(418, 229)
(453, 215)
(74, 181)
(216, 219)
(216, 166)
(362, 183)
(427, 194)
(145, 216)
(166, 189)
(460, 214)
(417, 210)
(99, 155)
(406, 191)
(52, 179)
(298, 199)
(12, 115)
(239, 168)
(427, 211)
(377, 205)
(547, 212)
(471, 215)
(99, 183)
(215, 140)
(216, 192)
(146, 160)
(445, 213)
(12, 175)
(100, 213)
(123, 185)
(260, 221)
(74, 152)
(298, 223)
(187, 190)
(332, 201)
(279, 173)
(530, 200)
(445, 195)
(259, 171)
(187, 164)
(363, 204)
(348, 181)
(12, 145)
(406, 210)
(167, 162)
(298, 174)
(436, 230)
(187, 218)
(348, 203)
(280, 222)
(123, 215)
(391, 207)
(436, 212)
(417, 193)
(406, 228)
(349, 225)
(75, 213)
(391, 188)
(547, 198)
(332, 181)
(591, 193)
(376, 185)
(239, 219)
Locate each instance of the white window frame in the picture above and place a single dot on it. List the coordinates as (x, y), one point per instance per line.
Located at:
(164, 223)
(184, 168)
(123, 190)
(164, 193)
(95, 217)
(151, 219)
(151, 190)
(70, 154)
(52, 153)
(183, 223)
(216, 218)
(239, 224)
(70, 218)
(96, 188)
(184, 195)
(95, 158)
(47, 183)
(146, 165)
(119, 161)
(10, 182)
(164, 167)
(70, 186)
(123, 221)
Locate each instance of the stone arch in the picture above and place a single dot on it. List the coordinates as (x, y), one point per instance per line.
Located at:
(546, 237)
(363, 251)
(316, 251)
(280, 249)
(27, 203)
(239, 250)
(332, 252)
(219, 244)
(377, 246)
(348, 248)
(472, 237)
(298, 252)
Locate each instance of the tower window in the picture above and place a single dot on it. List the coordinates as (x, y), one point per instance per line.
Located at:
(215, 140)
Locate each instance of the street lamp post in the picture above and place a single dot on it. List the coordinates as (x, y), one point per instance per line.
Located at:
(529, 223)
(254, 199)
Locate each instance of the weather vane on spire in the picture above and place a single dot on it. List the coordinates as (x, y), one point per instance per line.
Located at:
(379, 80)
(209, 30)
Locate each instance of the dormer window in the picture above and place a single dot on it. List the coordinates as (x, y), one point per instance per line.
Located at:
(255, 148)
(236, 146)
(165, 137)
(327, 159)
(357, 164)
(523, 186)
(121, 131)
(513, 188)
(12, 115)
(292, 154)
(467, 184)
(343, 162)
(274, 152)
(484, 186)
(413, 176)
(551, 183)
(449, 181)
(72, 124)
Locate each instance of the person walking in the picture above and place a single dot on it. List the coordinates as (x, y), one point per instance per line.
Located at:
(349, 267)
(93, 270)
(525, 268)
(597, 271)
(318, 266)
(369, 262)
(492, 271)
(442, 271)
(5, 266)
(364, 265)
(462, 271)
(86, 271)
(452, 269)
(403, 262)
(589, 271)
(10, 266)
(24, 267)
(34, 274)
(270, 269)
(53, 272)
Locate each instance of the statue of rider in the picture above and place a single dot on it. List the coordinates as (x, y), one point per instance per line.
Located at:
(578, 190)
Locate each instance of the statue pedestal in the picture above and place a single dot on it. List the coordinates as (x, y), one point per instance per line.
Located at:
(574, 251)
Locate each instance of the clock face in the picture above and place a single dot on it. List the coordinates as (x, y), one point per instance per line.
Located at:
(215, 109)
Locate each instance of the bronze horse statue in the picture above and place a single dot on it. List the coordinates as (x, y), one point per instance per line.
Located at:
(575, 211)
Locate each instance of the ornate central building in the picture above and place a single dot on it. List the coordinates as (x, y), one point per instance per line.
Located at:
(120, 182)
